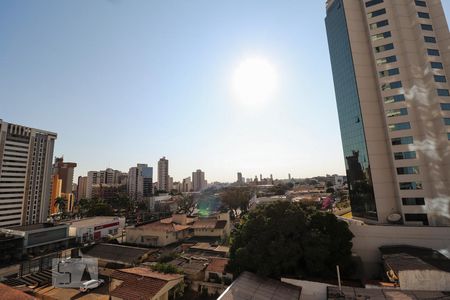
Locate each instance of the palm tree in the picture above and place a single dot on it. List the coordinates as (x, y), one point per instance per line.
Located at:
(60, 202)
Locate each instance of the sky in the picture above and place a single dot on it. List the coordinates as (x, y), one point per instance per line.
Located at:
(127, 82)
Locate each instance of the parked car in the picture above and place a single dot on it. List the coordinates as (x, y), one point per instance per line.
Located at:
(91, 284)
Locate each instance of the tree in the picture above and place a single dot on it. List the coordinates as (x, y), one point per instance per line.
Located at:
(236, 198)
(166, 268)
(282, 239)
(60, 202)
(186, 204)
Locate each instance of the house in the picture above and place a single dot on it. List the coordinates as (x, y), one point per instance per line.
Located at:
(411, 267)
(213, 226)
(252, 286)
(143, 284)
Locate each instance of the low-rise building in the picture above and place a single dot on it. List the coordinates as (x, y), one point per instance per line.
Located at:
(40, 238)
(142, 283)
(113, 255)
(95, 228)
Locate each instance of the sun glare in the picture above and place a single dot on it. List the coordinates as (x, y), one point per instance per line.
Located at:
(255, 82)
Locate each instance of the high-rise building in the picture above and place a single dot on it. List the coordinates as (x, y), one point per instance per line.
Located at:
(104, 177)
(140, 182)
(163, 174)
(62, 180)
(240, 180)
(186, 185)
(198, 181)
(390, 60)
(82, 187)
(25, 174)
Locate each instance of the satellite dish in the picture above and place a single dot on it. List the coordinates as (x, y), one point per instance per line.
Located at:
(394, 218)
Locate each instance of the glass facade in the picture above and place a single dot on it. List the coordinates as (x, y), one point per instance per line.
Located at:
(350, 118)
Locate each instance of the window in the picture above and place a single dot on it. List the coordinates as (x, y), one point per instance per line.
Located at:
(405, 155)
(445, 106)
(377, 13)
(396, 112)
(448, 136)
(391, 85)
(381, 36)
(423, 15)
(421, 3)
(440, 78)
(384, 48)
(429, 39)
(386, 60)
(436, 65)
(411, 185)
(373, 2)
(433, 52)
(399, 126)
(417, 218)
(413, 201)
(390, 72)
(408, 171)
(443, 92)
(447, 121)
(426, 27)
(395, 98)
(379, 24)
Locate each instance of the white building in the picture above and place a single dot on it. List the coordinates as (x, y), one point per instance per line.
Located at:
(96, 228)
(140, 182)
(25, 174)
(198, 181)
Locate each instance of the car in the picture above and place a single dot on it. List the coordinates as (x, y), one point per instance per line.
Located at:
(91, 284)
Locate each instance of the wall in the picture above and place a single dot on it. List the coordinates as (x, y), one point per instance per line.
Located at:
(368, 239)
(310, 290)
(428, 280)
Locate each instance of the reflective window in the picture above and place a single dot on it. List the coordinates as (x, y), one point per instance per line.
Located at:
(373, 2)
(399, 126)
(448, 136)
(447, 121)
(384, 48)
(413, 201)
(429, 39)
(421, 3)
(408, 171)
(440, 78)
(397, 112)
(376, 13)
(443, 92)
(386, 60)
(394, 98)
(390, 72)
(436, 65)
(417, 218)
(406, 140)
(380, 36)
(351, 121)
(391, 85)
(379, 24)
(405, 155)
(433, 52)
(423, 15)
(414, 185)
(426, 27)
(445, 106)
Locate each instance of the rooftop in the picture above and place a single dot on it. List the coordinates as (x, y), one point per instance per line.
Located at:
(380, 294)
(117, 253)
(9, 293)
(217, 265)
(165, 227)
(32, 227)
(145, 272)
(92, 221)
(250, 286)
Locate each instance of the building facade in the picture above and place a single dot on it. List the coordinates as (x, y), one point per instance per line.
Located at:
(198, 181)
(25, 174)
(140, 182)
(163, 175)
(389, 61)
(62, 181)
(108, 177)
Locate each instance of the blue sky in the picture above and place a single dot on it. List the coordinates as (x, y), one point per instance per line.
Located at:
(126, 82)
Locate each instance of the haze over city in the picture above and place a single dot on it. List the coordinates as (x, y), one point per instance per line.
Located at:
(129, 82)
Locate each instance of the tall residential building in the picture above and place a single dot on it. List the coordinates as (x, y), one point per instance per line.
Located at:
(25, 174)
(62, 180)
(163, 174)
(108, 177)
(82, 187)
(240, 180)
(390, 60)
(140, 182)
(186, 185)
(198, 181)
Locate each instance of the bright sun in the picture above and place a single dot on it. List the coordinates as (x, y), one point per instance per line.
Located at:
(255, 82)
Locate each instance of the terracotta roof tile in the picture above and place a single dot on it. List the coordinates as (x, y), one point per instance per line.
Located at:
(9, 293)
(217, 265)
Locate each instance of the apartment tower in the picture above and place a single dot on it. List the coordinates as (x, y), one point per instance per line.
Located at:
(140, 182)
(163, 174)
(390, 60)
(25, 174)
(198, 181)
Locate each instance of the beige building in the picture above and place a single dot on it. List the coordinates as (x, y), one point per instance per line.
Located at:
(25, 174)
(198, 181)
(389, 60)
(163, 174)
